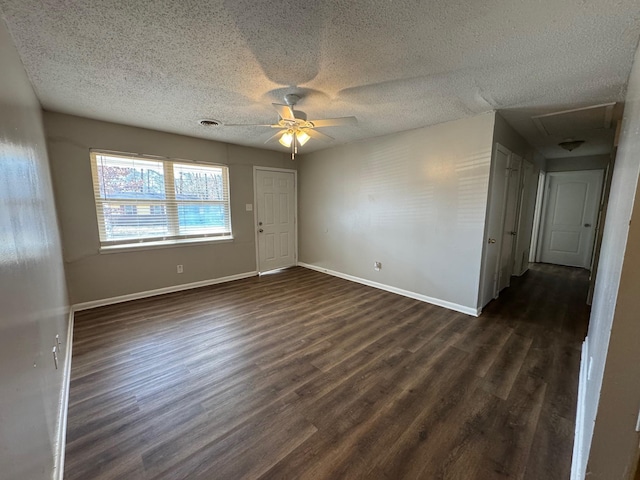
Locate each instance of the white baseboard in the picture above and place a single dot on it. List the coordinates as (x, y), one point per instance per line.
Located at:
(578, 462)
(160, 291)
(416, 296)
(61, 437)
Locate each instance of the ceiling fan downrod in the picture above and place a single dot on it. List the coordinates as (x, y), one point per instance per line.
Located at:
(291, 99)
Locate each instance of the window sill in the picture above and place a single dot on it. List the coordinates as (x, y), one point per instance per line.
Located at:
(137, 247)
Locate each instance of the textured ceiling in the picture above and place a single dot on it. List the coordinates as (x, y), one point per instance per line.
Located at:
(395, 65)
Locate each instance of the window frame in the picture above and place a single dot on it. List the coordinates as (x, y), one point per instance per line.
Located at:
(170, 203)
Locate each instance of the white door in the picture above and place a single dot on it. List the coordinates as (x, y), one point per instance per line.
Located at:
(534, 253)
(525, 218)
(510, 219)
(570, 215)
(276, 218)
(495, 218)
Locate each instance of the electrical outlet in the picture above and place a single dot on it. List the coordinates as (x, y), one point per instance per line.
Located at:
(377, 266)
(179, 269)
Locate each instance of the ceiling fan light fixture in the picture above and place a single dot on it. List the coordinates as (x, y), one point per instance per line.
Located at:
(286, 139)
(302, 137)
(294, 130)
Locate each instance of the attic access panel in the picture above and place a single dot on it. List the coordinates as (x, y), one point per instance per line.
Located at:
(566, 123)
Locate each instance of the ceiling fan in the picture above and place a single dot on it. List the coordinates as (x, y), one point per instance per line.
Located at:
(293, 127)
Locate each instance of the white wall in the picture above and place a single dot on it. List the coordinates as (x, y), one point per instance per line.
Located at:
(415, 201)
(93, 276)
(33, 296)
(611, 397)
(505, 135)
(590, 162)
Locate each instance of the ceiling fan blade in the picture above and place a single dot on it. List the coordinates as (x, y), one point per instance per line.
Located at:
(334, 122)
(317, 135)
(285, 111)
(276, 136)
(249, 125)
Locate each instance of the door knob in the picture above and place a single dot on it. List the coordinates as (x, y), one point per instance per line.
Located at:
(587, 224)
(491, 240)
(261, 230)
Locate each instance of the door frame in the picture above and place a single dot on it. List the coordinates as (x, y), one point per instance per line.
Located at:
(545, 204)
(255, 210)
(534, 254)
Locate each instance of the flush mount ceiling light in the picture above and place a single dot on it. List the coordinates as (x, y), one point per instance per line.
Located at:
(294, 128)
(570, 144)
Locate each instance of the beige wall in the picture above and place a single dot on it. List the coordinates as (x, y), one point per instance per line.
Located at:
(612, 393)
(93, 276)
(415, 201)
(32, 287)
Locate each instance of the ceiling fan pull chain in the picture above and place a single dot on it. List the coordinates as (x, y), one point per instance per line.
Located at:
(293, 148)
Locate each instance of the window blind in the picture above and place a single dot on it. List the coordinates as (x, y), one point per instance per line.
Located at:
(141, 199)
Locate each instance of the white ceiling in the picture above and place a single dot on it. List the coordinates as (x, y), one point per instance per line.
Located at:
(395, 65)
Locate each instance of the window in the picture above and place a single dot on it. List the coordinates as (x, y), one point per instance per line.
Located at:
(142, 199)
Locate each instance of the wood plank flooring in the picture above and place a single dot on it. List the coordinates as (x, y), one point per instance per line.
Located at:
(299, 375)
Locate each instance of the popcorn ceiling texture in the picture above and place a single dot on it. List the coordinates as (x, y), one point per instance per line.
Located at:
(396, 65)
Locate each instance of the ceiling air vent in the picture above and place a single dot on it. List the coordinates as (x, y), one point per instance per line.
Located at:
(207, 122)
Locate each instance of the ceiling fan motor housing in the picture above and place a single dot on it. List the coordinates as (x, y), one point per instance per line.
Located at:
(291, 99)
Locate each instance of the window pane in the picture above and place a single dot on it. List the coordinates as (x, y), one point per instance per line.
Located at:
(125, 221)
(195, 182)
(202, 218)
(130, 178)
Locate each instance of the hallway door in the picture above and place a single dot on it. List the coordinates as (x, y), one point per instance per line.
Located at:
(510, 218)
(570, 216)
(495, 222)
(525, 219)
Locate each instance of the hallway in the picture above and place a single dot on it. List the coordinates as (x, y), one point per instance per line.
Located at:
(548, 306)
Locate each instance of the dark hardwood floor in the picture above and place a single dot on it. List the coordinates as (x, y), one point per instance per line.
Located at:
(299, 375)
